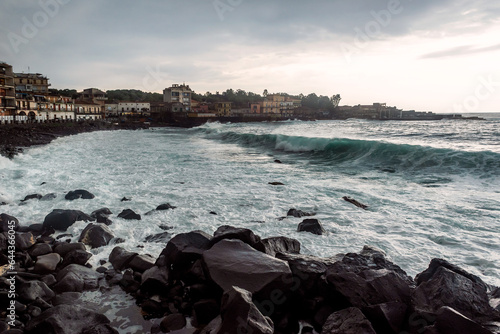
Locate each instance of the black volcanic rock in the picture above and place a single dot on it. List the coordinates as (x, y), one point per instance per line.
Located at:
(32, 196)
(243, 234)
(444, 284)
(165, 206)
(4, 222)
(62, 219)
(70, 319)
(184, 249)
(311, 225)
(96, 235)
(129, 214)
(299, 213)
(348, 321)
(275, 245)
(76, 278)
(48, 197)
(80, 193)
(234, 263)
(120, 258)
(240, 315)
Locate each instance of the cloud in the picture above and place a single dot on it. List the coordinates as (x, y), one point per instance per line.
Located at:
(460, 51)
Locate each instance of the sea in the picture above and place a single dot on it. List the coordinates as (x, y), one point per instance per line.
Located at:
(432, 187)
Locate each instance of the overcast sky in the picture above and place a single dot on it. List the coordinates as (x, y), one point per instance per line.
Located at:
(441, 56)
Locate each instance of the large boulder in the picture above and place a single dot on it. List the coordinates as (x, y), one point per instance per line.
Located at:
(76, 278)
(240, 315)
(348, 321)
(388, 317)
(120, 258)
(129, 214)
(312, 226)
(62, 219)
(70, 319)
(80, 193)
(183, 249)
(102, 215)
(96, 235)
(24, 241)
(64, 248)
(32, 196)
(141, 263)
(165, 206)
(243, 234)
(368, 279)
(155, 280)
(32, 290)
(76, 256)
(449, 321)
(47, 263)
(7, 222)
(234, 263)
(444, 284)
(275, 245)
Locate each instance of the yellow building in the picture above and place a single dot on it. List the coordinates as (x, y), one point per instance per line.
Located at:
(279, 104)
(32, 83)
(223, 108)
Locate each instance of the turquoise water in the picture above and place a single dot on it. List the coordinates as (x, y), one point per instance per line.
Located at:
(433, 188)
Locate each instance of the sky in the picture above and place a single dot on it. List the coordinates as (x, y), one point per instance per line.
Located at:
(441, 56)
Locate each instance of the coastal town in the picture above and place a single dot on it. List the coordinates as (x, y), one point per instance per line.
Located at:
(26, 98)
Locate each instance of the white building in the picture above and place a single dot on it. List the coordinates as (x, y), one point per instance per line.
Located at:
(178, 94)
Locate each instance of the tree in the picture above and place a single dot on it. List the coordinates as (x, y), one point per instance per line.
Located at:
(335, 100)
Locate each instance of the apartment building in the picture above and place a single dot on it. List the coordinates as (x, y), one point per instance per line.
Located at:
(7, 91)
(178, 94)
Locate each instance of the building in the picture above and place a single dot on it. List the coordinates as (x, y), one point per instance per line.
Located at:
(87, 110)
(223, 108)
(7, 91)
(279, 104)
(94, 96)
(178, 94)
(255, 108)
(31, 83)
(132, 108)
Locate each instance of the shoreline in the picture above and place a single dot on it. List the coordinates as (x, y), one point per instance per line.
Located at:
(231, 280)
(14, 138)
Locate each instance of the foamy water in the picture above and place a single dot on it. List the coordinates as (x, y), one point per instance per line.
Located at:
(432, 187)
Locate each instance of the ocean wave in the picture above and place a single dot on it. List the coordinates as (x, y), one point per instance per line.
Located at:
(369, 152)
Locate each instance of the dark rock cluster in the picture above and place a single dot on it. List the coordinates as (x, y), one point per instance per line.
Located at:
(233, 282)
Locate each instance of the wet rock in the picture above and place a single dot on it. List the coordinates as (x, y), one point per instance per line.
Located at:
(66, 298)
(185, 248)
(39, 249)
(275, 245)
(299, 213)
(47, 263)
(388, 317)
(96, 235)
(76, 256)
(70, 319)
(348, 321)
(62, 219)
(24, 240)
(50, 280)
(48, 197)
(173, 322)
(120, 258)
(311, 225)
(234, 263)
(129, 214)
(155, 280)
(80, 193)
(76, 278)
(444, 284)
(64, 248)
(141, 263)
(205, 311)
(240, 315)
(277, 161)
(32, 196)
(160, 237)
(32, 290)
(36, 229)
(356, 203)
(125, 199)
(236, 233)
(449, 321)
(213, 213)
(103, 211)
(7, 221)
(276, 183)
(165, 206)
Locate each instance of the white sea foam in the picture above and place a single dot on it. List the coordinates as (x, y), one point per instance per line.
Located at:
(414, 215)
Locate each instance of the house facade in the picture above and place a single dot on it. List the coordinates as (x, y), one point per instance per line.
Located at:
(179, 94)
(7, 91)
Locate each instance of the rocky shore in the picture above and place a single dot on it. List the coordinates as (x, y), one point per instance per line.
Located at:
(15, 137)
(230, 282)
